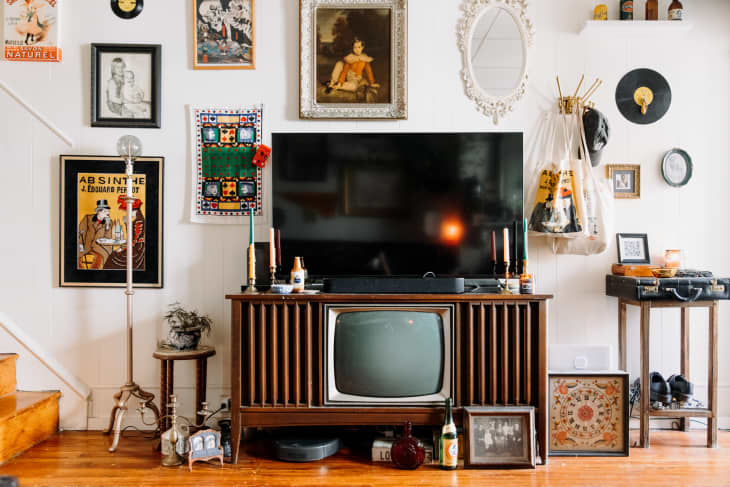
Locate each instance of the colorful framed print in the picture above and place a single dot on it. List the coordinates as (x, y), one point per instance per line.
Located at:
(589, 414)
(31, 30)
(125, 85)
(94, 235)
(625, 180)
(633, 248)
(226, 182)
(499, 437)
(224, 34)
(353, 59)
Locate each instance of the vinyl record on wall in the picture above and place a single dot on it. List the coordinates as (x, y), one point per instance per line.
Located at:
(127, 9)
(643, 96)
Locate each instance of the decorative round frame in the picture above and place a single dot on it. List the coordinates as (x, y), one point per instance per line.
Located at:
(687, 162)
(493, 106)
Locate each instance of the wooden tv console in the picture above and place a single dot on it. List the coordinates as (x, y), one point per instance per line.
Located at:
(277, 372)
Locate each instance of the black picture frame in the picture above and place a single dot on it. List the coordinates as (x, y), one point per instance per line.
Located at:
(500, 452)
(82, 269)
(139, 113)
(624, 257)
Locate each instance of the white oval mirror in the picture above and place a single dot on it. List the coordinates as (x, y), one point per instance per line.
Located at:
(493, 38)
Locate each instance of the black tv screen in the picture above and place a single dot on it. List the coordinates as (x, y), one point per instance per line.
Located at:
(397, 204)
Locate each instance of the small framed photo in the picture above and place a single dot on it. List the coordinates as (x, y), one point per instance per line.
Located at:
(499, 437)
(224, 34)
(633, 248)
(125, 85)
(352, 63)
(625, 180)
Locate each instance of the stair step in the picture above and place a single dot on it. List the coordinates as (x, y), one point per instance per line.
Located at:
(26, 419)
(8, 380)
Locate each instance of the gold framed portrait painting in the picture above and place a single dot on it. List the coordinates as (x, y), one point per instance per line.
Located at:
(353, 59)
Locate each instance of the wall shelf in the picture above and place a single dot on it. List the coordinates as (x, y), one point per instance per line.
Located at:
(635, 28)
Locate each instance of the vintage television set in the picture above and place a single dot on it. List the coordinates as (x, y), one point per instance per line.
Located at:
(391, 206)
(388, 355)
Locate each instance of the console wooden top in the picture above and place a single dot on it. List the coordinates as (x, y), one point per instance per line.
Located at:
(385, 297)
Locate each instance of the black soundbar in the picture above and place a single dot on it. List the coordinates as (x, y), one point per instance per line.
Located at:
(394, 285)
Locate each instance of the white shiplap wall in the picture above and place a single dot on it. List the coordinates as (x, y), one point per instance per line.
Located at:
(84, 328)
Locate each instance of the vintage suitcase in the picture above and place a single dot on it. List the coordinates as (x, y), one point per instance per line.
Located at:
(674, 288)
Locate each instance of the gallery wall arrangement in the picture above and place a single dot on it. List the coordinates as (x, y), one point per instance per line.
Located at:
(336, 183)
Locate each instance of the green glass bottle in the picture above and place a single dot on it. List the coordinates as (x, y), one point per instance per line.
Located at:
(448, 443)
(627, 10)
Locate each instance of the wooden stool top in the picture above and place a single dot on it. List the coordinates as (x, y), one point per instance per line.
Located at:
(172, 354)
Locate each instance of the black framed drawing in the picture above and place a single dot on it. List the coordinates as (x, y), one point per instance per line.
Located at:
(126, 85)
(633, 248)
(93, 231)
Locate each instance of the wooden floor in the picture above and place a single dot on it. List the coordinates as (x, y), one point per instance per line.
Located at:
(81, 459)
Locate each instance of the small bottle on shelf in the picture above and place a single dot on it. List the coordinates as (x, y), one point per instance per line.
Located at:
(676, 11)
(652, 10)
(627, 10)
(297, 276)
(449, 441)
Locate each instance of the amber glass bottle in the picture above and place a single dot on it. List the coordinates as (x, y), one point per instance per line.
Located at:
(676, 11)
(652, 9)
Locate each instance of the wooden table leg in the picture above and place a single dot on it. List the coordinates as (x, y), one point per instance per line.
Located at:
(712, 377)
(170, 389)
(236, 318)
(684, 360)
(622, 345)
(201, 375)
(543, 393)
(163, 396)
(645, 403)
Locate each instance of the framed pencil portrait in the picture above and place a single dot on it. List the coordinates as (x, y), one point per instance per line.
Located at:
(125, 85)
(352, 62)
(94, 238)
(224, 34)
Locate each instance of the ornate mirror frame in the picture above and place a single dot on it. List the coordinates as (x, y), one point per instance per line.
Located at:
(490, 105)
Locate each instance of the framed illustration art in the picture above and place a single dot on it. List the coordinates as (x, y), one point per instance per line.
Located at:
(352, 62)
(499, 437)
(224, 34)
(125, 85)
(31, 30)
(589, 414)
(625, 180)
(633, 248)
(94, 236)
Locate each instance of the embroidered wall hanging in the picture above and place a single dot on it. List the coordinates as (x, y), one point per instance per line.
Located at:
(227, 183)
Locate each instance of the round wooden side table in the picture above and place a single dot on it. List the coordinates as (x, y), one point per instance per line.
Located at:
(167, 376)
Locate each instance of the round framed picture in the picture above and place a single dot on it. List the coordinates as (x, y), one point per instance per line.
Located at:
(677, 168)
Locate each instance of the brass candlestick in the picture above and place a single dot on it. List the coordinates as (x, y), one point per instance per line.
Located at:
(505, 288)
(173, 459)
(272, 272)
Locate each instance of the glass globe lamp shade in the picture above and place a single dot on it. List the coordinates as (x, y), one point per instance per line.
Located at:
(129, 146)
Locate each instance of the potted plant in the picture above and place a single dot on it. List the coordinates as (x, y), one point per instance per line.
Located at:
(186, 328)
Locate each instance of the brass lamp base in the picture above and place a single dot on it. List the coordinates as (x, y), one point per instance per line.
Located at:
(121, 399)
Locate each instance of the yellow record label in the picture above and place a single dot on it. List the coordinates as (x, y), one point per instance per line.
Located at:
(127, 5)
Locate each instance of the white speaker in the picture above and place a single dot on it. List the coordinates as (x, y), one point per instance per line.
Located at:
(570, 358)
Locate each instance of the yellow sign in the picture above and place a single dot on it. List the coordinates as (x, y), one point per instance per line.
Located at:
(127, 5)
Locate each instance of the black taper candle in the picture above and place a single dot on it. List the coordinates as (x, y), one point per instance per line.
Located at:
(513, 265)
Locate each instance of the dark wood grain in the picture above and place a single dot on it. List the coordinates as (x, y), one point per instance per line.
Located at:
(684, 423)
(482, 355)
(493, 353)
(470, 355)
(712, 376)
(622, 337)
(645, 348)
(236, 392)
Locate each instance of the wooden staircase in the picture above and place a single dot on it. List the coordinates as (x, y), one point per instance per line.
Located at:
(26, 418)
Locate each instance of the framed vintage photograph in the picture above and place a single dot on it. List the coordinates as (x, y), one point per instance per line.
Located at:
(633, 248)
(499, 437)
(125, 85)
(589, 414)
(224, 34)
(352, 61)
(94, 235)
(625, 180)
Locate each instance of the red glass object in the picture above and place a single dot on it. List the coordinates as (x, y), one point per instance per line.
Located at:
(261, 156)
(407, 452)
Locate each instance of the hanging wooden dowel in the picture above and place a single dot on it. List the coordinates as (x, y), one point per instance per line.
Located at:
(590, 93)
(584, 96)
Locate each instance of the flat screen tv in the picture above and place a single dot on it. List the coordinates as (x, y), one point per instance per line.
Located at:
(397, 204)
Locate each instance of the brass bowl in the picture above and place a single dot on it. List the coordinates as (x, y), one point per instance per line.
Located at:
(664, 272)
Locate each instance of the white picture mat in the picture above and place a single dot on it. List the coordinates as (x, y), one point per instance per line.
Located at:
(139, 63)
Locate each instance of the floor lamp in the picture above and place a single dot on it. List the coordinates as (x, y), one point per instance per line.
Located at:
(129, 147)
